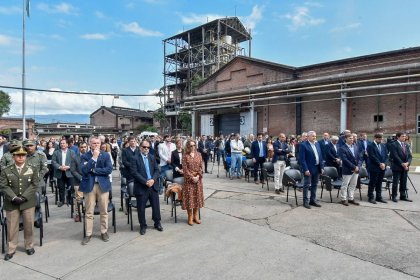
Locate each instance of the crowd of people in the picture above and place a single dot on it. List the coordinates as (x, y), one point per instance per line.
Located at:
(86, 164)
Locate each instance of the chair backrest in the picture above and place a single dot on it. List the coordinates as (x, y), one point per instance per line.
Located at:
(363, 173)
(130, 189)
(38, 200)
(331, 172)
(294, 165)
(169, 175)
(178, 180)
(123, 181)
(388, 173)
(269, 166)
(249, 163)
(327, 182)
(291, 177)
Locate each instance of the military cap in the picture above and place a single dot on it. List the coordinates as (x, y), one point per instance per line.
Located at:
(28, 142)
(19, 151)
(14, 143)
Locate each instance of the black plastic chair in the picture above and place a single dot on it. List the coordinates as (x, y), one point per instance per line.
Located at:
(169, 177)
(388, 180)
(336, 182)
(248, 166)
(130, 203)
(44, 198)
(327, 183)
(111, 208)
(292, 178)
(123, 191)
(267, 172)
(294, 164)
(174, 198)
(362, 180)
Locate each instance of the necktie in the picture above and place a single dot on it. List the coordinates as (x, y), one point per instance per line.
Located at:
(403, 148)
(261, 150)
(19, 170)
(379, 148)
(146, 165)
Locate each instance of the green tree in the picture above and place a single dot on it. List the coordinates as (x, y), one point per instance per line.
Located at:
(5, 102)
(185, 120)
(161, 117)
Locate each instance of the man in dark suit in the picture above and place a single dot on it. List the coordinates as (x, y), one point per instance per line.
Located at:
(362, 144)
(145, 173)
(312, 164)
(376, 164)
(400, 164)
(281, 150)
(96, 185)
(331, 154)
(342, 138)
(259, 154)
(323, 143)
(204, 150)
(127, 156)
(350, 158)
(63, 161)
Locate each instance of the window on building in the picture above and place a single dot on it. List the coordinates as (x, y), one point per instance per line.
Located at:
(418, 123)
(378, 118)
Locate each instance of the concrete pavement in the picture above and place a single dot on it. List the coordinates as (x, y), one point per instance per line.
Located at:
(247, 233)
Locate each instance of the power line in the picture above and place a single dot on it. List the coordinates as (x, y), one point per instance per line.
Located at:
(75, 92)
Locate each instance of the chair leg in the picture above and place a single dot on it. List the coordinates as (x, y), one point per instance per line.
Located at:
(176, 218)
(47, 210)
(330, 196)
(389, 189)
(113, 220)
(84, 220)
(287, 195)
(131, 218)
(322, 189)
(3, 236)
(41, 230)
(360, 192)
(338, 192)
(71, 207)
(56, 194)
(172, 204)
(122, 201)
(295, 196)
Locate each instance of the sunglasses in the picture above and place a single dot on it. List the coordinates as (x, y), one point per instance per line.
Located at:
(145, 147)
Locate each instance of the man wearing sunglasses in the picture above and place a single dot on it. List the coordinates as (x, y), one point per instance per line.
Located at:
(145, 173)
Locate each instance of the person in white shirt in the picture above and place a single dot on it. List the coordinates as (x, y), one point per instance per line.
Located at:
(165, 152)
(236, 146)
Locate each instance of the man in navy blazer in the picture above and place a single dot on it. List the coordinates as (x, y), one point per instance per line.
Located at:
(312, 164)
(96, 185)
(376, 164)
(145, 173)
(400, 164)
(351, 162)
(331, 155)
(259, 154)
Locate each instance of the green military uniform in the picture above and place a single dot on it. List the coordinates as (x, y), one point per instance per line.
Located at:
(38, 161)
(20, 186)
(7, 158)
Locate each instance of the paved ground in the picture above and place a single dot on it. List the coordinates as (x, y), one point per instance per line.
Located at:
(247, 233)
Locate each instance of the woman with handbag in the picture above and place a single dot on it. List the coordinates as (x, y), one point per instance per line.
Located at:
(192, 190)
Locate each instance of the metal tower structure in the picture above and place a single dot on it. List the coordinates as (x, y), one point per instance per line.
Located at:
(195, 54)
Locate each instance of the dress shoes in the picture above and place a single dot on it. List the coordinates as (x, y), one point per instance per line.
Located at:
(231, 178)
(281, 190)
(313, 203)
(142, 231)
(394, 199)
(256, 183)
(354, 202)
(405, 199)
(381, 201)
(77, 218)
(105, 236)
(30, 252)
(59, 204)
(159, 227)
(8, 256)
(306, 205)
(277, 191)
(344, 202)
(86, 240)
(371, 200)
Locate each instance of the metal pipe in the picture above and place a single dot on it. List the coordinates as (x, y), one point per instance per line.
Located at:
(340, 77)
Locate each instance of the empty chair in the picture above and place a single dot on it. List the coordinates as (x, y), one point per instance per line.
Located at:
(123, 191)
(363, 180)
(388, 180)
(292, 178)
(175, 199)
(248, 166)
(336, 182)
(294, 165)
(267, 172)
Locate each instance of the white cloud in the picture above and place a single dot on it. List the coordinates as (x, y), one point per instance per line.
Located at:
(301, 17)
(94, 36)
(99, 15)
(251, 21)
(5, 40)
(194, 19)
(12, 10)
(13, 45)
(346, 27)
(135, 28)
(62, 8)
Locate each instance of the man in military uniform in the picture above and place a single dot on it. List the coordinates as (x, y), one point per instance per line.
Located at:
(38, 161)
(7, 158)
(19, 182)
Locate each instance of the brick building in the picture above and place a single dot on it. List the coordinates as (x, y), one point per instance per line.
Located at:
(14, 126)
(372, 93)
(120, 119)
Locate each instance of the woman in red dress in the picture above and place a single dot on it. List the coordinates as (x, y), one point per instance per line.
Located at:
(192, 190)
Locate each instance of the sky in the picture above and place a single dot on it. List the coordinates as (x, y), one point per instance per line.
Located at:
(115, 46)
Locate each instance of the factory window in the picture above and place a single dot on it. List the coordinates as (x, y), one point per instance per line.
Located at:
(378, 118)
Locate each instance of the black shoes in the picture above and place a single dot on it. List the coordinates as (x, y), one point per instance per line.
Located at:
(313, 203)
(371, 200)
(86, 240)
(30, 252)
(405, 199)
(354, 202)
(381, 201)
(306, 205)
(105, 236)
(8, 256)
(159, 227)
(394, 199)
(142, 231)
(59, 204)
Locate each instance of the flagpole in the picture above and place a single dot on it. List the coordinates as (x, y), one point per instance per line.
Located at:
(23, 72)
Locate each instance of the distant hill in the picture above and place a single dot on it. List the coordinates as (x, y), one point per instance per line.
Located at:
(54, 118)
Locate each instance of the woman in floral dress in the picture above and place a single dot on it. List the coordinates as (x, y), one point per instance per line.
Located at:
(192, 190)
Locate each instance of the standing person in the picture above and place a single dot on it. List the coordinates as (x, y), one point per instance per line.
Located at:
(165, 150)
(62, 160)
(176, 159)
(400, 164)
(236, 147)
(331, 155)
(362, 144)
(19, 182)
(311, 163)
(323, 143)
(281, 150)
(145, 173)
(350, 158)
(49, 151)
(3, 146)
(376, 165)
(204, 150)
(259, 154)
(7, 158)
(37, 160)
(115, 150)
(77, 175)
(192, 190)
(127, 156)
(220, 148)
(96, 185)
